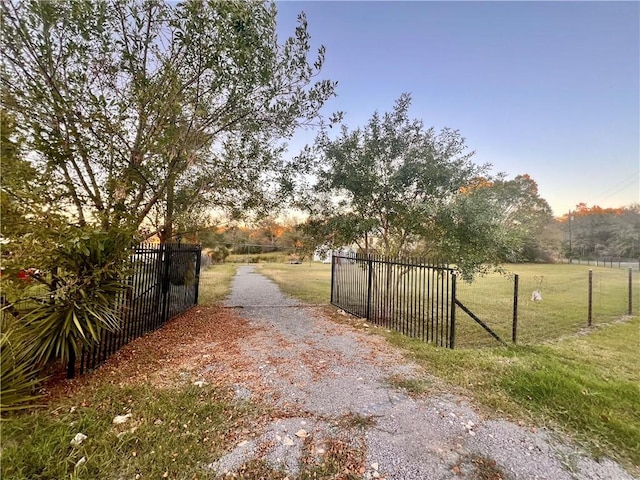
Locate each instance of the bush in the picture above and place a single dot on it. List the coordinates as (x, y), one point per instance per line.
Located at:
(88, 272)
(19, 373)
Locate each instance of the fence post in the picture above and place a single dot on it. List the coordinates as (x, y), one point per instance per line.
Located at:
(590, 297)
(333, 274)
(166, 286)
(71, 366)
(514, 332)
(198, 262)
(452, 336)
(630, 312)
(369, 283)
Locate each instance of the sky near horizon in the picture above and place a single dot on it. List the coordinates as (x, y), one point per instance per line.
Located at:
(551, 89)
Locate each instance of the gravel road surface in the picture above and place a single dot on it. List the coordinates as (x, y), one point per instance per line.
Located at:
(329, 371)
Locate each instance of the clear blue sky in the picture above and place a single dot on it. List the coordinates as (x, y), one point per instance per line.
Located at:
(551, 89)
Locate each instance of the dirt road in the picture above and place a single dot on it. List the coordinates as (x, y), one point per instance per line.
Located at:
(337, 382)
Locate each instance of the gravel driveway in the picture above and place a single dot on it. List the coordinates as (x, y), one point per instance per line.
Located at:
(328, 371)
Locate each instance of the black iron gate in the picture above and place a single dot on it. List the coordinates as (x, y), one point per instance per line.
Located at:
(407, 295)
(411, 297)
(164, 284)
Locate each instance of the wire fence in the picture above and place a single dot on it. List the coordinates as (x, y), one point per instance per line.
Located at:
(540, 303)
(610, 262)
(531, 305)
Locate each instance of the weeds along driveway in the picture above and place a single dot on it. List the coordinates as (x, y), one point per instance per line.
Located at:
(334, 386)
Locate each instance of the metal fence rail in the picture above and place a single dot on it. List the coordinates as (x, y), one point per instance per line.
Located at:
(164, 284)
(611, 262)
(411, 297)
(425, 301)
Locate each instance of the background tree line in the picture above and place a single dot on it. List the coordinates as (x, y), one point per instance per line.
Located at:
(595, 232)
(611, 232)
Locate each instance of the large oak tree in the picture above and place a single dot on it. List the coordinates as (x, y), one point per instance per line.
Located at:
(396, 188)
(381, 186)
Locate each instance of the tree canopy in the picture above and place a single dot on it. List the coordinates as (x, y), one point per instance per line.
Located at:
(520, 212)
(145, 111)
(397, 188)
(380, 186)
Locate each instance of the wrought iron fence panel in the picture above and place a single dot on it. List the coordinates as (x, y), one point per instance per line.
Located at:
(406, 295)
(163, 284)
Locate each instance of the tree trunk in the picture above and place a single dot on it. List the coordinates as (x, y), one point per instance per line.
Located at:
(166, 233)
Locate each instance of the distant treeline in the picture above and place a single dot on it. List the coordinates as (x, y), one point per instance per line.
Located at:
(595, 232)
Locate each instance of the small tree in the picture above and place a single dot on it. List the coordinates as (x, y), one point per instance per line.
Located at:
(396, 188)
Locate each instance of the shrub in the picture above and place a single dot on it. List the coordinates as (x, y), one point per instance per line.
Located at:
(88, 272)
(19, 373)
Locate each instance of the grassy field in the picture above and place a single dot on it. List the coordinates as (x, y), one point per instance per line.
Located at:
(310, 282)
(270, 257)
(586, 384)
(215, 281)
(562, 311)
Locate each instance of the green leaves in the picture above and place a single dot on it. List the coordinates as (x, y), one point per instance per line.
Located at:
(145, 110)
(19, 373)
(86, 272)
(73, 320)
(397, 188)
(383, 185)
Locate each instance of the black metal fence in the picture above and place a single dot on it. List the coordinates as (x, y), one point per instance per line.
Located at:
(611, 262)
(411, 297)
(164, 284)
(424, 301)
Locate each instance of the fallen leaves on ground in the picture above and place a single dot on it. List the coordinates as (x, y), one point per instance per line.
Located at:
(201, 339)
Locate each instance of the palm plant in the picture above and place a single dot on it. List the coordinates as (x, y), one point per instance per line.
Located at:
(19, 374)
(88, 272)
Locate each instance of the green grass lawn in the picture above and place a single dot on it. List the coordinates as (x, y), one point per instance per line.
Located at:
(269, 257)
(170, 434)
(563, 309)
(587, 385)
(215, 282)
(310, 282)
